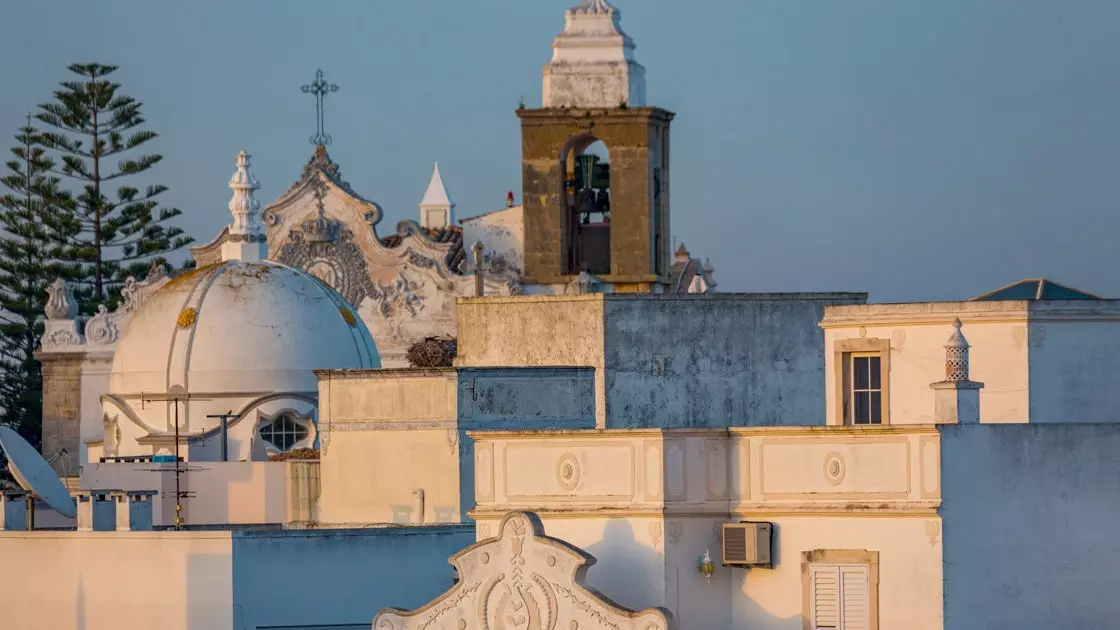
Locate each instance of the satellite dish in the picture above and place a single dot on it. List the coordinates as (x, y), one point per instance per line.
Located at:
(34, 473)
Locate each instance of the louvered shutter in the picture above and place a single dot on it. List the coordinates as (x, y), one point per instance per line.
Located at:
(855, 600)
(825, 596)
(840, 597)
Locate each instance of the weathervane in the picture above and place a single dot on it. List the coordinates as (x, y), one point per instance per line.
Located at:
(319, 88)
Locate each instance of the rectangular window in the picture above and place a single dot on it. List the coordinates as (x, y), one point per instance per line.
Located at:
(866, 396)
(840, 597)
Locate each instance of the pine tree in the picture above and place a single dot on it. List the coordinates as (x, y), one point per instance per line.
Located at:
(111, 238)
(25, 271)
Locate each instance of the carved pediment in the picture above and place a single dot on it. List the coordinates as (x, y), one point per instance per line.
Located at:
(521, 580)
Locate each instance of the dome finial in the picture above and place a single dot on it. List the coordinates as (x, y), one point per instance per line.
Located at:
(246, 239)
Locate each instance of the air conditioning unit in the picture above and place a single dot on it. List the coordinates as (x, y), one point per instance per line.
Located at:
(747, 544)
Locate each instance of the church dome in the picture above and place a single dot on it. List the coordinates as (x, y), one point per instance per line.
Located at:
(239, 326)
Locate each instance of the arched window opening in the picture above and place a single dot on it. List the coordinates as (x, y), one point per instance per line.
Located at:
(284, 432)
(587, 197)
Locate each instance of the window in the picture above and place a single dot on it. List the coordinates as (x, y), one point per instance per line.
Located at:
(841, 589)
(284, 432)
(867, 389)
(862, 371)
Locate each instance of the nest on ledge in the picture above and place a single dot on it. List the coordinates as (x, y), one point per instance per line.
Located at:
(299, 453)
(432, 352)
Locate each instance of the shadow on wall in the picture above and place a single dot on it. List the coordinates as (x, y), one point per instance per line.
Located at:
(749, 613)
(80, 606)
(626, 571)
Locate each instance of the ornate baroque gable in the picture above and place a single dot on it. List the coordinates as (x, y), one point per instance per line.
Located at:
(521, 580)
(63, 331)
(403, 285)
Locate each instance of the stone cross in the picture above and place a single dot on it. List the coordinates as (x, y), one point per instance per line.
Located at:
(319, 88)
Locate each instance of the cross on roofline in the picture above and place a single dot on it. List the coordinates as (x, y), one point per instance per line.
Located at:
(319, 88)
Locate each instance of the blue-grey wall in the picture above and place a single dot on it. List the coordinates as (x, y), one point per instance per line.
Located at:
(314, 578)
(1030, 522)
(716, 360)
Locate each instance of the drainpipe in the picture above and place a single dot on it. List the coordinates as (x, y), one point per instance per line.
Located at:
(418, 506)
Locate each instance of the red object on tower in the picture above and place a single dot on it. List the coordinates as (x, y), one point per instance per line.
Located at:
(509, 199)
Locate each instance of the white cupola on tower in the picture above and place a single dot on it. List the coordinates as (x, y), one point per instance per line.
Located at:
(246, 239)
(436, 208)
(593, 61)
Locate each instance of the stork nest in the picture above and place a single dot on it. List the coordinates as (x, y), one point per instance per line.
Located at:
(432, 352)
(299, 453)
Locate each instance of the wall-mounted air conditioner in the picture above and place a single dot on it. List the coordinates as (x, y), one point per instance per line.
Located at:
(747, 544)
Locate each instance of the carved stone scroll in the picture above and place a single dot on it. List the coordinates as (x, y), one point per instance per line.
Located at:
(522, 580)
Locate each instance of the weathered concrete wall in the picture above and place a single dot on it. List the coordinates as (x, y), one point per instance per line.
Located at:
(565, 330)
(62, 405)
(1030, 514)
(716, 360)
(339, 578)
(1074, 371)
(667, 360)
(115, 580)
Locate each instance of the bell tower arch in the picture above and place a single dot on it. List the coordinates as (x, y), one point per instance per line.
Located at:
(595, 164)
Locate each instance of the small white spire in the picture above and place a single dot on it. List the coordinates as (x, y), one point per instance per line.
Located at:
(246, 240)
(436, 208)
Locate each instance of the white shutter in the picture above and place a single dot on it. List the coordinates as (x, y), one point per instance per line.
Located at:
(840, 597)
(855, 597)
(825, 596)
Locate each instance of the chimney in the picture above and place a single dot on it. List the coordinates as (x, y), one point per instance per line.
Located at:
(956, 400)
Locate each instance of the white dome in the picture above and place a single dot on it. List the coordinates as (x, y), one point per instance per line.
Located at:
(239, 327)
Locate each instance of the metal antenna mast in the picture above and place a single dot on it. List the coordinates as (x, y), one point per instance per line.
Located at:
(175, 395)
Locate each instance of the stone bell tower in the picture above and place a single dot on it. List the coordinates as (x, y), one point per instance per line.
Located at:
(595, 164)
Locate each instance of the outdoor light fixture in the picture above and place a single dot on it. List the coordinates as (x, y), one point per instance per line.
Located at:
(707, 567)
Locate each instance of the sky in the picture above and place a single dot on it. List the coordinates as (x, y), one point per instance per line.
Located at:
(911, 149)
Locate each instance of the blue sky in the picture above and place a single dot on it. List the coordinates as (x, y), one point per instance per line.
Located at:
(916, 150)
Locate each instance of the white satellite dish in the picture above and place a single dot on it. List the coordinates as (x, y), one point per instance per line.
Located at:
(34, 473)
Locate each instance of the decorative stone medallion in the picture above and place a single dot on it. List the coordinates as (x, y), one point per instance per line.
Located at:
(834, 468)
(567, 472)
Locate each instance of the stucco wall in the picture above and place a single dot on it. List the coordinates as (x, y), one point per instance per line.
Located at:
(910, 560)
(534, 331)
(1074, 371)
(1030, 526)
(320, 578)
(502, 233)
(387, 433)
(110, 580)
(667, 360)
(715, 360)
(647, 503)
(998, 358)
(237, 493)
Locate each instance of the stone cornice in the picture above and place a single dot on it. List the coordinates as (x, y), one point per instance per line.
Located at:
(854, 298)
(924, 313)
(732, 432)
(578, 117)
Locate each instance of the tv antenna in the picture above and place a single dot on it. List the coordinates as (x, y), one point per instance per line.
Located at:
(175, 395)
(223, 418)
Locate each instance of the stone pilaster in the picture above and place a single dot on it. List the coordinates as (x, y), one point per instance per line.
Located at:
(62, 406)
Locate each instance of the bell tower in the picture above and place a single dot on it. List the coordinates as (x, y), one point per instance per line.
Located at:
(595, 164)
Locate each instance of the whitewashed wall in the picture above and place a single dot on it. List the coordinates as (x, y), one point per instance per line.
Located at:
(648, 503)
(111, 580)
(1074, 371)
(502, 233)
